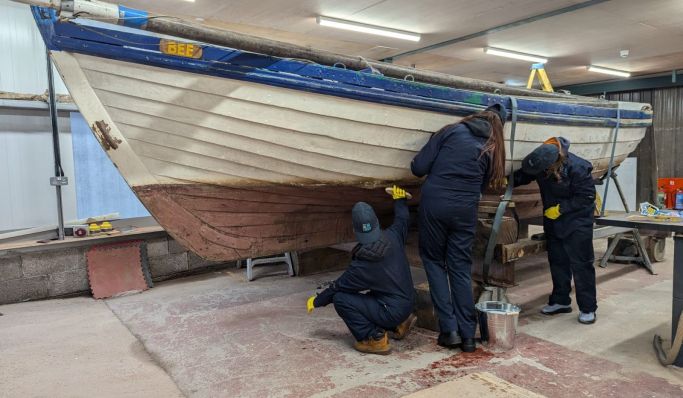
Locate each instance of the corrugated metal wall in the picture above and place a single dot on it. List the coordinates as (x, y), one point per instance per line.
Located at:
(22, 63)
(660, 154)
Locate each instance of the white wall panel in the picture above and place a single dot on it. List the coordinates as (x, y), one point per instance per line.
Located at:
(26, 164)
(628, 175)
(22, 52)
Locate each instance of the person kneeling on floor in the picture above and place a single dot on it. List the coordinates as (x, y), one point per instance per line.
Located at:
(375, 294)
(568, 196)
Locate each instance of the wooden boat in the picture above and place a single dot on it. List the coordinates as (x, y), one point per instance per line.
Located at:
(240, 154)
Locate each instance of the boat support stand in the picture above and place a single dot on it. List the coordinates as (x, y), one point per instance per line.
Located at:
(618, 233)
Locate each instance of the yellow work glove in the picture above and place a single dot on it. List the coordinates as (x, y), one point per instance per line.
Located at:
(552, 212)
(397, 192)
(597, 212)
(309, 304)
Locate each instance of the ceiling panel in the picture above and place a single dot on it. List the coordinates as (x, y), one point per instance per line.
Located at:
(652, 30)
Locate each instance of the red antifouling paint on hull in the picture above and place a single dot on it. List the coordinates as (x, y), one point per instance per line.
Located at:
(223, 224)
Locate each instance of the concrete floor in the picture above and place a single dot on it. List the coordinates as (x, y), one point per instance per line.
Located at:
(74, 348)
(216, 335)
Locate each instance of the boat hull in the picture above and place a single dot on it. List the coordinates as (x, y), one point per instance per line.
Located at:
(235, 169)
(224, 223)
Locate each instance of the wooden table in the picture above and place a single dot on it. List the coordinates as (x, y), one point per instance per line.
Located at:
(634, 220)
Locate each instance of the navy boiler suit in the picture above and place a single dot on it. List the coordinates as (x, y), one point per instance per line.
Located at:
(384, 274)
(569, 238)
(457, 174)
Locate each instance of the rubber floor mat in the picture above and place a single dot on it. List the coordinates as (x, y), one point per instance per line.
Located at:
(114, 269)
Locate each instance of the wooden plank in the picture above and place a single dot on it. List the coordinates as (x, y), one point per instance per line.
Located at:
(515, 251)
(69, 241)
(500, 273)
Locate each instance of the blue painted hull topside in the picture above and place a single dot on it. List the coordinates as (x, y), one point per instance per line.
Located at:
(115, 43)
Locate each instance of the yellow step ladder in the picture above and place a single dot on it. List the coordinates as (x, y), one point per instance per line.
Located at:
(542, 77)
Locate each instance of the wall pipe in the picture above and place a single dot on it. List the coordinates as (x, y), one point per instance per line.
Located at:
(59, 179)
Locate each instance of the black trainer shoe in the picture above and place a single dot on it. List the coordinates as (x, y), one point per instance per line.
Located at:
(448, 340)
(468, 345)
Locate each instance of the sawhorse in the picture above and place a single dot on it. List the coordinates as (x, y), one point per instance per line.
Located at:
(620, 233)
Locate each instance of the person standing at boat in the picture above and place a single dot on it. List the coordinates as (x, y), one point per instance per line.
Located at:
(376, 293)
(568, 195)
(459, 161)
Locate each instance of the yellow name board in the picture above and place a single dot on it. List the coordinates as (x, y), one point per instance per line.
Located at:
(187, 50)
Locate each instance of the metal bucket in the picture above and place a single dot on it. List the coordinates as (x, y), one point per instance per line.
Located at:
(498, 324)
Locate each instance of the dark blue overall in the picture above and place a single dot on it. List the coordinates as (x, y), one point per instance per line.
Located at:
(382, 270)
(569, 238)
(457, 174)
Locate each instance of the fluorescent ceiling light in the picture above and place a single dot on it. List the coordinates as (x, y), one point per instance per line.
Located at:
(515, 83)
(370, 29)
(607, 71)
(515, 55)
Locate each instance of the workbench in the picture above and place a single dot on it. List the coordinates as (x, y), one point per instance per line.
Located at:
(635, 220)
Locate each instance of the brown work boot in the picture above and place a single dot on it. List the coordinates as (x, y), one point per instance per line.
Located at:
(371, 346)
(403, 329)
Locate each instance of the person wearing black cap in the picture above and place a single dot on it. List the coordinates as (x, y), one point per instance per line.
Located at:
(460, 161)
(568, 195)
(379, 268)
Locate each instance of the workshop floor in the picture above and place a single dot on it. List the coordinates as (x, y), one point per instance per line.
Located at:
(216, 335)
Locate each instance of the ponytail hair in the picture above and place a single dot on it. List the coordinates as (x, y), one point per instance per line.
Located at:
(494, 147)
(555, 168)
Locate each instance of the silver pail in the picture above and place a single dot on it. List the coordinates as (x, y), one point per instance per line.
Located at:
(498, 324)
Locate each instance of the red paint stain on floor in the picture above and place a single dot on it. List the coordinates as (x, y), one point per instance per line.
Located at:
(461, 360)
(544, 368)
(560, 372)
(223, 338)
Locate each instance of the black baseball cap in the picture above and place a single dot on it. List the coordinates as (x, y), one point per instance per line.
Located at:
(365, 223)
(540, 159)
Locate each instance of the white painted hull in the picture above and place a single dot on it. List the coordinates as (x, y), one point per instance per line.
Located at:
(184, 127)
